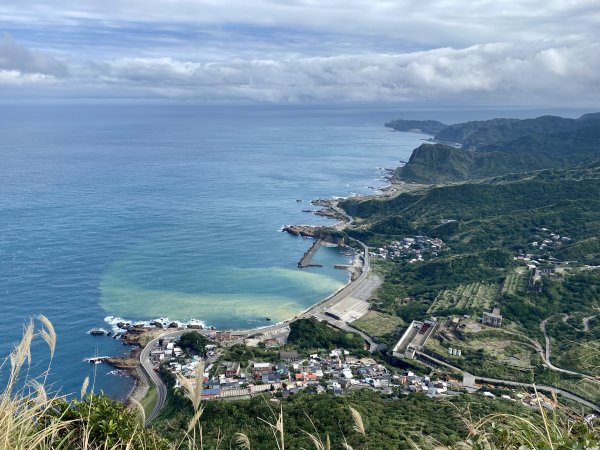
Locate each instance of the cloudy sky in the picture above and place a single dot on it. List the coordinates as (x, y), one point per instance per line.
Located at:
(477, 52)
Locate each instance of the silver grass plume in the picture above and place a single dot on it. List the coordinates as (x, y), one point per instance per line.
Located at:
(84, 387)
(242, 441)
(359, 426)
(137, 405)
(48, 333)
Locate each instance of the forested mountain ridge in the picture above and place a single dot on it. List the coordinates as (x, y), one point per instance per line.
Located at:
(501, 146)
(502, 209)
(424, 126)
(476, 134)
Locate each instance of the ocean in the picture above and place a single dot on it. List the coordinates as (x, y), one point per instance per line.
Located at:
(149, 211)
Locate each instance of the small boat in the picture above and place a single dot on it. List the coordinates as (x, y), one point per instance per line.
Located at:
(299, 200)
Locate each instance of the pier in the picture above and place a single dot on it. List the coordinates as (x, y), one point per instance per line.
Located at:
(305, 260)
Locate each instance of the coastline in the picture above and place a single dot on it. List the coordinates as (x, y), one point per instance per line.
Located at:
(138, 335)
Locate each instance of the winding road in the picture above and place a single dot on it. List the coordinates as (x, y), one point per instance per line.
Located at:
(548, 352)
(152, 376)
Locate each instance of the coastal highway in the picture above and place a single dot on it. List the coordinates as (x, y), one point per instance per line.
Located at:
(152, 376)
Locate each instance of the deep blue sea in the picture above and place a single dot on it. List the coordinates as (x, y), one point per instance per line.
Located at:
(154, 211)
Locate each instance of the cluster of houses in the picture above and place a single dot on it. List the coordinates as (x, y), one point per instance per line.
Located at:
(534, 400)
(410, 382)
(167, 351)
(550, 240)
(335, 371)
(413, 248)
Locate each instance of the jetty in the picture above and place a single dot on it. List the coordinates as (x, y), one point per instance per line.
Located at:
(305, 260)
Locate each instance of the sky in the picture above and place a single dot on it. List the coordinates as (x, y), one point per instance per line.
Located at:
(437, 52)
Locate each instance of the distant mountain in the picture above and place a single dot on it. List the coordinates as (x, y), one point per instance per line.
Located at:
(501, 146)
(420, 126)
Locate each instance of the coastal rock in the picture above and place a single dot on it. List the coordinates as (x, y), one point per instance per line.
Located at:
(326, 234)
(156, 324)
(194, 326)
(120, 324)
(128, 364)
(301, 230)
(98, 332)
(173, 325)
(323, 202)
(330, 212)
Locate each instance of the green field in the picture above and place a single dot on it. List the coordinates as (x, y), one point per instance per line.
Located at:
(474, 296)
(515, 282)
(375, 323)
(149, 400)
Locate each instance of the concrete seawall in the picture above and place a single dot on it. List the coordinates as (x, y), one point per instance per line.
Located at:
(305, 260)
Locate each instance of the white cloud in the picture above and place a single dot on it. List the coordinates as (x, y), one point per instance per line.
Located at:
(501, 72)
(433, 23)
(532, 51)
(16, 60)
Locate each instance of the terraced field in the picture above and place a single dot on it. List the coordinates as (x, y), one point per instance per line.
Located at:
(475, 296)
(514, 282)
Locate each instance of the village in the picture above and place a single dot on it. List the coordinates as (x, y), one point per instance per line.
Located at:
(414, 248)
(334, 371)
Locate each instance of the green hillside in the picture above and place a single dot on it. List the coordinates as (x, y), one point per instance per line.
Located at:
(502, 146)
(505, 211)
(424, 126)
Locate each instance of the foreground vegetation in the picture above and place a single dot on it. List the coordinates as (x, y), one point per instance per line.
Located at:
(365, 419)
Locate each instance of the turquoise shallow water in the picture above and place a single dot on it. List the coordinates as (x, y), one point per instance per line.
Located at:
(144, 212)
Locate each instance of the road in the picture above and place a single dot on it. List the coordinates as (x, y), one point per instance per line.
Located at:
(152, 376)
(541, 387)
(497, 381)
(586, 323)
(548, 352)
